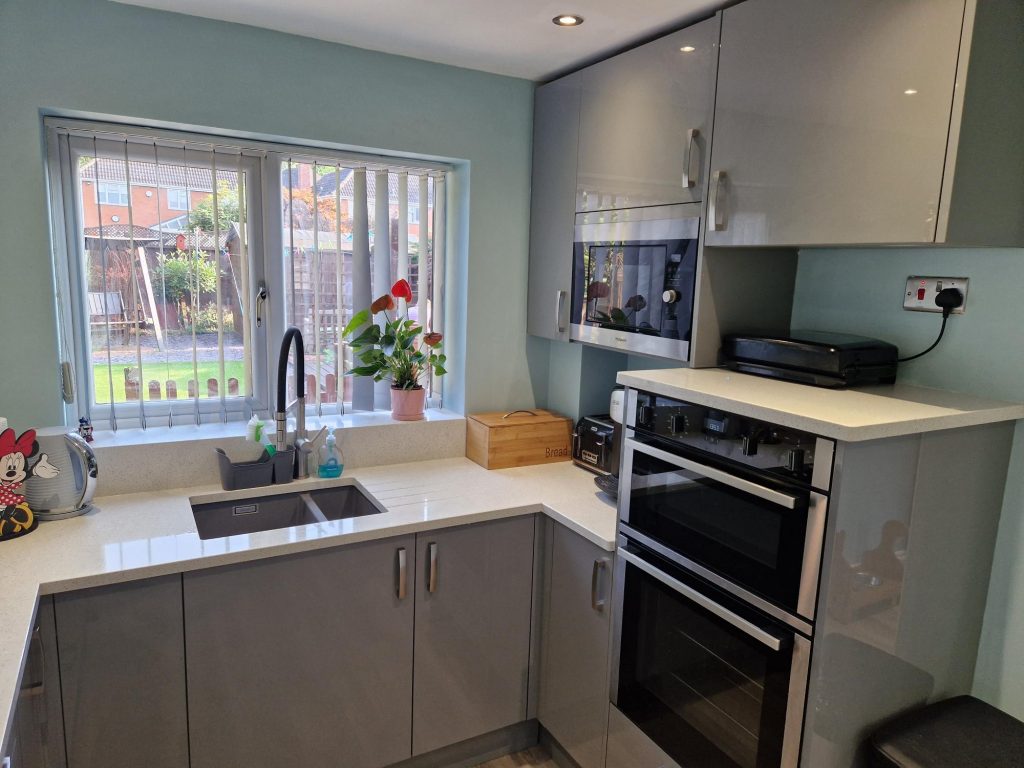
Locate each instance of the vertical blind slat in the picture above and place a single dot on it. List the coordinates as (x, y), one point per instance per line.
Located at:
(221, 373)
(193, 287)
(381, 264)
(247, 290)
(339, 315)
(437, 301)
(106, 288)
(136, 297)
(362, 387)
(163, 274)
(318, 379)
(403, 233)
(422, 286)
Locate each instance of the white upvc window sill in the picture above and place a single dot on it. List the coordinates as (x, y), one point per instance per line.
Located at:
(237, 429)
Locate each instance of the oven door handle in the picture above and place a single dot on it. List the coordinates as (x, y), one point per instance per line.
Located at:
(762, 492)
(747, 627)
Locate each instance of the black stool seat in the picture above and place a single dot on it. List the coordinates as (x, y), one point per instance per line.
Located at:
(962, 732)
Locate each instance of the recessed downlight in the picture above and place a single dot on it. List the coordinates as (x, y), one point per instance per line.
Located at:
(910, 91)
(687, 49)
(567, 20)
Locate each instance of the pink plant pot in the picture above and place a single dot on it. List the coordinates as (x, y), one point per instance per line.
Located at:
(407, 404)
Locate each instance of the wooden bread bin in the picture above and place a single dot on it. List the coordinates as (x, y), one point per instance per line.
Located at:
(517, 439)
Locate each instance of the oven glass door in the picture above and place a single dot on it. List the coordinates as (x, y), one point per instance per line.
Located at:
(745, 528)
(706, 678)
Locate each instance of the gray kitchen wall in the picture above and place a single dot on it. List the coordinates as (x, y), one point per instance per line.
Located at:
(860, 291)
(105, 58)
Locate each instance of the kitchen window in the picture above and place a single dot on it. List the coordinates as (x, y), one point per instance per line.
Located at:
(173, 314)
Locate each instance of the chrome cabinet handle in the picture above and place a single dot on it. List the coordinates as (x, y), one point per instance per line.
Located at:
(559, 303)
(716, 219)
(595, 577)
(747, 627)
(432, 567)
(689, 180)
(402, 571)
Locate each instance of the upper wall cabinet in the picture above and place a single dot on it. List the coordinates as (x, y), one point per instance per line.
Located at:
(556, 122)
(645, 122)
(868, 121)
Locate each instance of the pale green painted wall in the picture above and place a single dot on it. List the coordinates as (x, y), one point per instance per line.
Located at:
(860, 291)
(106, 58)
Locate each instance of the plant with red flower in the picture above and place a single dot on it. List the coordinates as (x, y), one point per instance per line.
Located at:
(396, 347)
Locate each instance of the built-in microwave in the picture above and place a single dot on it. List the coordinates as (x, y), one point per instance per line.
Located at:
(634, 276)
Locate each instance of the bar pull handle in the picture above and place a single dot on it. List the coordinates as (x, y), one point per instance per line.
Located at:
(595, 578)
(432, 567)
(559, 305)
(402, 571)
(716, 215)
(689, 180)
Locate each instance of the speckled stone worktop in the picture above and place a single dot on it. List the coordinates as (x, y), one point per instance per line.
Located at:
(850, 415)
(134, 536)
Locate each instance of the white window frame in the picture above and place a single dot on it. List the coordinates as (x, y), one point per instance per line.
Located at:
(68, 139)
(104, 190)
(176, 192)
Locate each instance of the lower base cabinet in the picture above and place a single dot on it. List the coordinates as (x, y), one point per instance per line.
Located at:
(122, 675)
(303, 660)
(37, 733)
(474, 603)
(576, 635)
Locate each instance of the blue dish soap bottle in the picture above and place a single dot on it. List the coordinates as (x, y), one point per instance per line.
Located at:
(332, 463)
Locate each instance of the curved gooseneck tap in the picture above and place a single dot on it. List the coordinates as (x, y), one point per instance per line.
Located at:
(303, 447)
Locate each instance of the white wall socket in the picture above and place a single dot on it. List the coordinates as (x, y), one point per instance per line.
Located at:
(921, 292)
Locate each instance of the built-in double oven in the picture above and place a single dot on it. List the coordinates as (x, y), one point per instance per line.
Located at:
(721, 526)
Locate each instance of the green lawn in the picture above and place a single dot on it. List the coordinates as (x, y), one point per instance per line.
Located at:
(180, 373)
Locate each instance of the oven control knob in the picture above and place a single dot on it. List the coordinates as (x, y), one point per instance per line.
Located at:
(670, 297)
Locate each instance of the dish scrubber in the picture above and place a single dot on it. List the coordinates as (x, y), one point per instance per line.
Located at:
(256, 431)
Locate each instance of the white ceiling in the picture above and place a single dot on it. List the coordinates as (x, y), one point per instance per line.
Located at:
(509, 37)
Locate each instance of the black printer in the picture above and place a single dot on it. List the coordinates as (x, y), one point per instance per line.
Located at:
(819, 358)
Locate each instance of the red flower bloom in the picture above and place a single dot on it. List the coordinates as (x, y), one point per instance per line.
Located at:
(382, 304)
(432, 339)
(598, 290)
(402, 290)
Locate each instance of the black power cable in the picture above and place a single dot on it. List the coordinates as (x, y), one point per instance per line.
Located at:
(949, 299)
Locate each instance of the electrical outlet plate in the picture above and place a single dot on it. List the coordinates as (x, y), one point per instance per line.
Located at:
(920, 293)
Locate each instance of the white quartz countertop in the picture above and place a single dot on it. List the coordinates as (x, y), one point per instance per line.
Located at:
(852, 415)
(149, 534)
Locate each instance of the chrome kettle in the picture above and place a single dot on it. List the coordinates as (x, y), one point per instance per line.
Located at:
(70, 492)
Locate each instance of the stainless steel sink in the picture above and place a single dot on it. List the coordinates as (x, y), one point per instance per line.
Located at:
(216, 519)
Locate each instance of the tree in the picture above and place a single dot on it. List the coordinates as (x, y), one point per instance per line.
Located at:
(227, 210)
(181, 278)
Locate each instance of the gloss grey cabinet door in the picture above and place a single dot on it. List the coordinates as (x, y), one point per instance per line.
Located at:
(474, 590)
(576, 636)
(122, 675)
(645, 122)
(37, 734)
(831, 121)
(302, 660)
(556, 121)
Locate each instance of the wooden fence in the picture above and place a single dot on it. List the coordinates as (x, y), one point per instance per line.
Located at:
(156, 391)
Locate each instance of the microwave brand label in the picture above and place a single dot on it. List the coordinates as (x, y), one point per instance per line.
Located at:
(553, 452)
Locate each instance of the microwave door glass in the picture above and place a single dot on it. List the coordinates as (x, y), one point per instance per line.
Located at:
(624, 287)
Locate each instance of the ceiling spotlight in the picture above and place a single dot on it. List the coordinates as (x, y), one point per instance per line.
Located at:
(567, 20)
(687, 49)
(910, 91)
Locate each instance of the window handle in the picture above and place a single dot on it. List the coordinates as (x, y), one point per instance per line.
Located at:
(261, 299)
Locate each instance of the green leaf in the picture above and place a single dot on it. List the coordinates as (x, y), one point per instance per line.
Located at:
(365, 370)
(358, 319)
(370, 336)
(439, 370)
